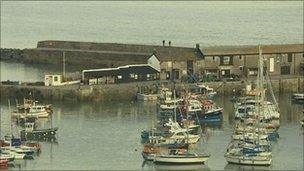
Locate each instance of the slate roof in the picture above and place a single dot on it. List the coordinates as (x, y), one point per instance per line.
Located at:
(252, 50)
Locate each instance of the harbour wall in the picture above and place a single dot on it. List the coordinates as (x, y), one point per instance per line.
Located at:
(127, 91)
(75, 60)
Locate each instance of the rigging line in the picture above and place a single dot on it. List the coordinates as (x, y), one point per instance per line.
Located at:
(271, 90)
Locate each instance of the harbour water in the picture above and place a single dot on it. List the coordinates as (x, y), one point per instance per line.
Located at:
(107, 136)
(95, 136)
(184, 23)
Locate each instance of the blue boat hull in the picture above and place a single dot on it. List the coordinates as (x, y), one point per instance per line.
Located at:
(216, 116)
(273, 136)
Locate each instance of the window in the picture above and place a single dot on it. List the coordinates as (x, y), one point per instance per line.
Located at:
(279, 57)
(290, 57)
(253, 71)
(167, 75)
(55, 78)
(240, 57)
(132, 75)
(271, 64)
(213, 58)
(148, 75)
(226, 60)
(135, 76)
(285, 70)
(119, 76)
(169, 64)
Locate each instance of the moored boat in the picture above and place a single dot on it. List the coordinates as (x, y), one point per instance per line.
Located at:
(146, 97)
(3, 163)
(31, 108)
(249, 160)
(298, 97)
(29, 133)
(186, 158)
(205, 111)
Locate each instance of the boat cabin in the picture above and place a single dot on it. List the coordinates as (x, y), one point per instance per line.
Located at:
(29, 127)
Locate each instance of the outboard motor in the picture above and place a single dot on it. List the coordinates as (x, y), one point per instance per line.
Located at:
(16, 142)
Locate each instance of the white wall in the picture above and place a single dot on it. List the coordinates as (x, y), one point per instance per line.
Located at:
(154, 62)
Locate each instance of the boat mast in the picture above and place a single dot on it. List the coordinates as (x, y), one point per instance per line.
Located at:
(261, 92)
(174, 104)
(9, 109)
(271, 91)
(63, 58)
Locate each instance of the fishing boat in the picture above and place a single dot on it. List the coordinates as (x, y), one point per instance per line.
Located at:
(205, 110)
(211, 112)
(31, 108)
(30, 133)
(298, 97)
(151, 150)
(203, 91)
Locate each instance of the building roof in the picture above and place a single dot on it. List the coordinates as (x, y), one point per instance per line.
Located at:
(121, 67)
(252, 50)
(163, 53)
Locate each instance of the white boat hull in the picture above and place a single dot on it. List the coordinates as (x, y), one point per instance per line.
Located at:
(259, 161)
(17, 155)
(148, 157)
(36, 115)
(180, 159)
(147, 97)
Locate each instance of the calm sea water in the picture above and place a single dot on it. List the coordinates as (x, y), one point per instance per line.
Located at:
(184, 23)
(30, 72)
(107, 136)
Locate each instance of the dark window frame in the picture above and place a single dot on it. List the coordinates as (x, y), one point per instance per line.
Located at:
(289, 58)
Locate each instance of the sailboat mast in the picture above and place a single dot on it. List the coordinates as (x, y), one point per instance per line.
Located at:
(174, 105)
(260, 90)
(63, 58)
(9, 109)
(261, 73)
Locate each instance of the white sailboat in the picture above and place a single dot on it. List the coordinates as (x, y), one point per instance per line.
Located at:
(255, 155)
(187, 158)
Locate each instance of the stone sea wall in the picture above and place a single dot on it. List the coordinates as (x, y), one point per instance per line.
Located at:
(127, 91)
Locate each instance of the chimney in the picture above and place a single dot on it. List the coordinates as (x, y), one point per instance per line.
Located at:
(197, 46)
(163, 42)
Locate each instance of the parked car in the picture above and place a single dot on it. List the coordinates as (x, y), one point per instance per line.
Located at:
(232, 77)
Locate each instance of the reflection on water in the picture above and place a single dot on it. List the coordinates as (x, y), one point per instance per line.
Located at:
(149, 165)
(246, 167)
(107, 136)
